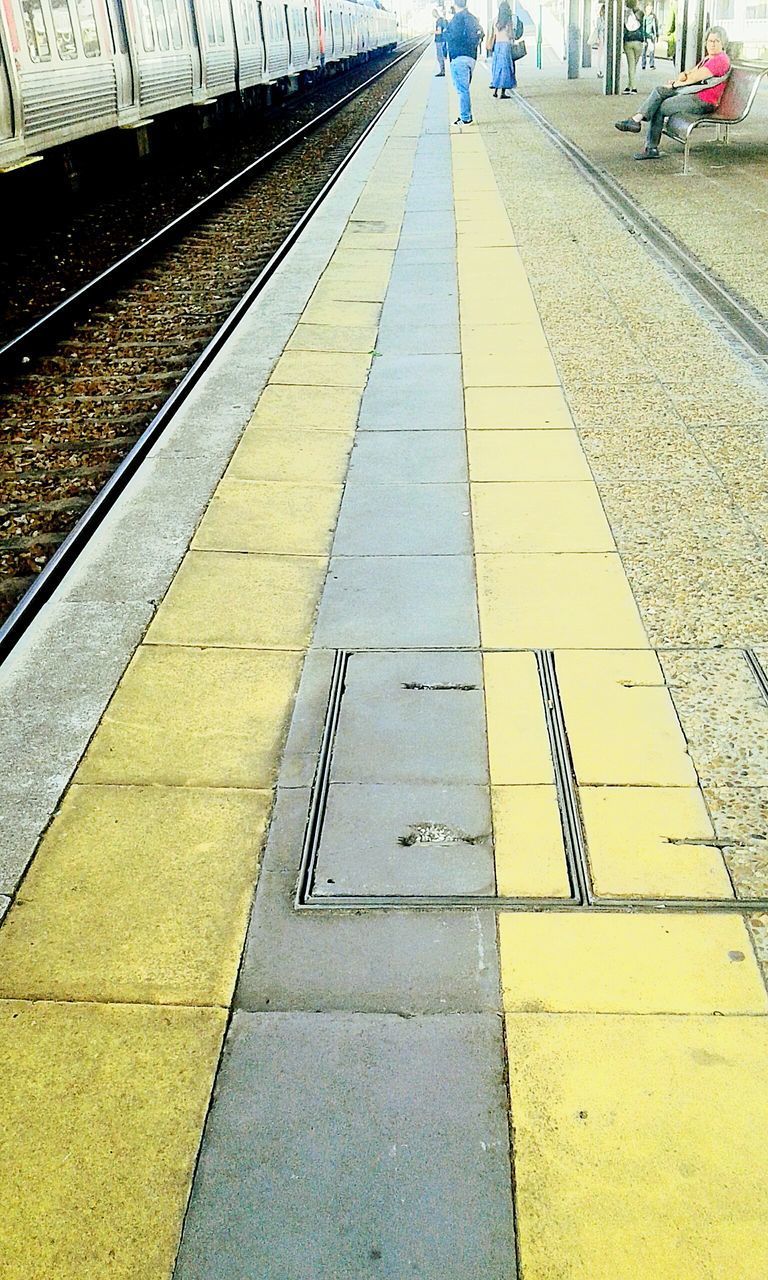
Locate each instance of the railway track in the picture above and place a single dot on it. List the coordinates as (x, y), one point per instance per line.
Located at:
(80, 411)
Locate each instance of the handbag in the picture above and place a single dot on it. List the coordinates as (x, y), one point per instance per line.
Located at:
(518, 49)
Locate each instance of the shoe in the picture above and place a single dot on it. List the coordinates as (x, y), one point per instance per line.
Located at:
(439, 74)
(599, 75)
(495, 93)
(628, 126)
(648, 153)
(461, 122)
(633, 91)
(626, 91)
(504, 95)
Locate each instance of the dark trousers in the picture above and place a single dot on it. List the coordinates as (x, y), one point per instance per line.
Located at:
(665, 102)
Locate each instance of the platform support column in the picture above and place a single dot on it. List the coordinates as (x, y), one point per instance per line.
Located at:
(614, 45)
(586, 31)
(574, 39)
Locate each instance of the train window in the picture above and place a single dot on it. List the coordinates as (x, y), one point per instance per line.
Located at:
(147, 29)
(88, 29)
(63, 30)
(34, 29)
(161, 25)
(757, 12)
(174, 21)
(218, 20)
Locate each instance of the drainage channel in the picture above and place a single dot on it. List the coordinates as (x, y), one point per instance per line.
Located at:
(582, 896)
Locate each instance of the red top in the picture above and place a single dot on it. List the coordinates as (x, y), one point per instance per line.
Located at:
(718, 65)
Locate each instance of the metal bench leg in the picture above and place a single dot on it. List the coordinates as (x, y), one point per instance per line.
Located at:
(727, 137)
(685, 157)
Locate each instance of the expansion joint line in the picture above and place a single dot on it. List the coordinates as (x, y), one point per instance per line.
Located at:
(574, 841)
(322, 780)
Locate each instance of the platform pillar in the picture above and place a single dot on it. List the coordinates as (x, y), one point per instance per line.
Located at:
(573, 42)
(614, 32)
(586, 31)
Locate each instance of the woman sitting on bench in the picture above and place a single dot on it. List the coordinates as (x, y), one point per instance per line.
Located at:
(678, 97)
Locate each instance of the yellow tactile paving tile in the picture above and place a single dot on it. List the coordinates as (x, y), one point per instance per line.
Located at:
(273, 517)
(196, 718)
(620, 962)
(524, 456)
(117, 905)
(101, 1113)
(322, 369)
(505, 341)
(535, 516)
(518, 744)
(346, 289)
(528, 843)
(339, 312)
(293, 408)
(642, 842)
(482, 234)
(640, 1146)
(502, 305)
(324, 337)
(529, 366)
(558, 601)
(240, 601)
(622, 724)
(516, 409)
(267, 453)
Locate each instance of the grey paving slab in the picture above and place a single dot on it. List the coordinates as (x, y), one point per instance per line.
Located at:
(399, 602)
(424, 257)
(53, 691)
(441, 305)
(432, 339)
(412, 717)
(399, 961)
(420, 392)
(424, 198)
(429, 223)
(404, 520)
(23, 819)
(353, 1146)
(420, 279)
(406, 838)
(408, 457)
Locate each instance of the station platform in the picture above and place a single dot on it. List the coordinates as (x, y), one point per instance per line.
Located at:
(385, 847)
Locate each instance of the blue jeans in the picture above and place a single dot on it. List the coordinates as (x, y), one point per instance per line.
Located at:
(461, 74)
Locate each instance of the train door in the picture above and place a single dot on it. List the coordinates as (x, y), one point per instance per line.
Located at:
(125, 71)
(7, 112)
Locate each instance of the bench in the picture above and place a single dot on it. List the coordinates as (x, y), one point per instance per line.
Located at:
(735, 105)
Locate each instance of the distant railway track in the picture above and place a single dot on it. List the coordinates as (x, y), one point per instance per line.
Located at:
(86, 389)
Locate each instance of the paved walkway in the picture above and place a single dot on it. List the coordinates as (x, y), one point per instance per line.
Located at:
(464, 1093)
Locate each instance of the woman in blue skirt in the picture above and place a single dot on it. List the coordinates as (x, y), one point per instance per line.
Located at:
(506, 29)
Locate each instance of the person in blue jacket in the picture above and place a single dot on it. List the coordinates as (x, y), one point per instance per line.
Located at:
(463, 35)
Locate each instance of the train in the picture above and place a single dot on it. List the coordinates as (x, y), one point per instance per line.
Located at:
(71, 68)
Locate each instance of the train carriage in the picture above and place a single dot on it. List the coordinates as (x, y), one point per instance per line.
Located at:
(69, 68)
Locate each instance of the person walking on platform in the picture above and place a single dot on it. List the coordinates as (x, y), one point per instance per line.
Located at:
(506, 29)
(463, 36)
(441, 49)
(693, 93)
(633, 43)
(650, 36)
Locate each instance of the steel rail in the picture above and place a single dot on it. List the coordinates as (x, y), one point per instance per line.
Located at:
(67, 553)
(17, 348)
(729, 308)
